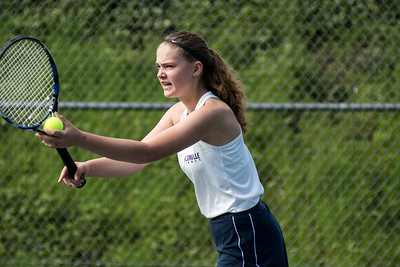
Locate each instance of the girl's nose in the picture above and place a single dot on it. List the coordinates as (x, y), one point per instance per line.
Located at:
(160, 73)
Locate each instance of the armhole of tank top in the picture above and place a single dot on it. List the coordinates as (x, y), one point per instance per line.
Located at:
(202, 102)
(184, 114)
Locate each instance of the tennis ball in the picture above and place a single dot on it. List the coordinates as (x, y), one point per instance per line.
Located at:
(53, 123)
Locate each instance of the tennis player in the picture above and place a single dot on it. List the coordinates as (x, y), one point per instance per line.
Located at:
(205, 129)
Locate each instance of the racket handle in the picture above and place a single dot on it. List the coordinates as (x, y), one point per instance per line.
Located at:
(69, 163)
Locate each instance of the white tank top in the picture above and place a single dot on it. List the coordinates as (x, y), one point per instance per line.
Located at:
(225, 177)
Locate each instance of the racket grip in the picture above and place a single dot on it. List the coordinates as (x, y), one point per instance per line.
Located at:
(69, 163)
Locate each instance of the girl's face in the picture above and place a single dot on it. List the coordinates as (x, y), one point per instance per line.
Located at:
(175, 73)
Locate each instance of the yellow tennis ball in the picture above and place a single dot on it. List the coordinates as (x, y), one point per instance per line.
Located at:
(53, 123)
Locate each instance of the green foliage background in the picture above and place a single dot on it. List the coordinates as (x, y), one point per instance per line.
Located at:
(321, 51)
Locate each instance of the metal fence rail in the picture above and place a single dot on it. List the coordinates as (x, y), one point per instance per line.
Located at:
(344, 107)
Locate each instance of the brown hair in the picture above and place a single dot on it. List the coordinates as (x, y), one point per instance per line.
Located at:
(218, 77)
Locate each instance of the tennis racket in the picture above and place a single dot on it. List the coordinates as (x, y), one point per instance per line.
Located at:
(29, 88)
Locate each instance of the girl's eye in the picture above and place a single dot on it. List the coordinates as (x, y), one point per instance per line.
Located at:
(164, 66)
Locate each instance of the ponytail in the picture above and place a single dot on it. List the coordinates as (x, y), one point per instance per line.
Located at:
(221, 80)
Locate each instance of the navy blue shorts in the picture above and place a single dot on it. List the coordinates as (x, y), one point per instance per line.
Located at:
(249, 238)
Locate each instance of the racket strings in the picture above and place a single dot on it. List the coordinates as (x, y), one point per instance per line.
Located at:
(26, 83)
(23, 66)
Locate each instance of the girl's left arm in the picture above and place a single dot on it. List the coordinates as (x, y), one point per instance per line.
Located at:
(167, 138)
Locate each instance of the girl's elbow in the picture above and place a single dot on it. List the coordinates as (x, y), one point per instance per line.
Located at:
(149, 155)
(154, 154)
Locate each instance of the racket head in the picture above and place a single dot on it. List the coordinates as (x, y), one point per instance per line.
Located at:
(29, 85)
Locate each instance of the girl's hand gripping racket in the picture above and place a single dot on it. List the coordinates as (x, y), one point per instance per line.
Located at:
(29, 88)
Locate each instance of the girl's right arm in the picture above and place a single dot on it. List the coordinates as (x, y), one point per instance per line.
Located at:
(100, 168)
(108, 168)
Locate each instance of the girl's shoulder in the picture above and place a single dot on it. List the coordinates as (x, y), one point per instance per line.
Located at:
(175, 112)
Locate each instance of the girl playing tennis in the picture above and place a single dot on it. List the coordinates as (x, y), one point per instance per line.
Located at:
(205, 129)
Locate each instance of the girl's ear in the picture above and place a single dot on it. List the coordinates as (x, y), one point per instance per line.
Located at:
(197, 68)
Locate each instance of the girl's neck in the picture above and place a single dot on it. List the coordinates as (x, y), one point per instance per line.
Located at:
(193, 99)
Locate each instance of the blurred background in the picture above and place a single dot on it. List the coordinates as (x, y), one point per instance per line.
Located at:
(322, 82)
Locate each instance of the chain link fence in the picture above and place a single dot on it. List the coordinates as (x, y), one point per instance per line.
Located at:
(322, 81)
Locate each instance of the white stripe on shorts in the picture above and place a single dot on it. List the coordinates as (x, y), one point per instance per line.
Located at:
(254, 237)
(237, 233)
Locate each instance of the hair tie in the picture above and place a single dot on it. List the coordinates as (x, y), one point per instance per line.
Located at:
(184, 47)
